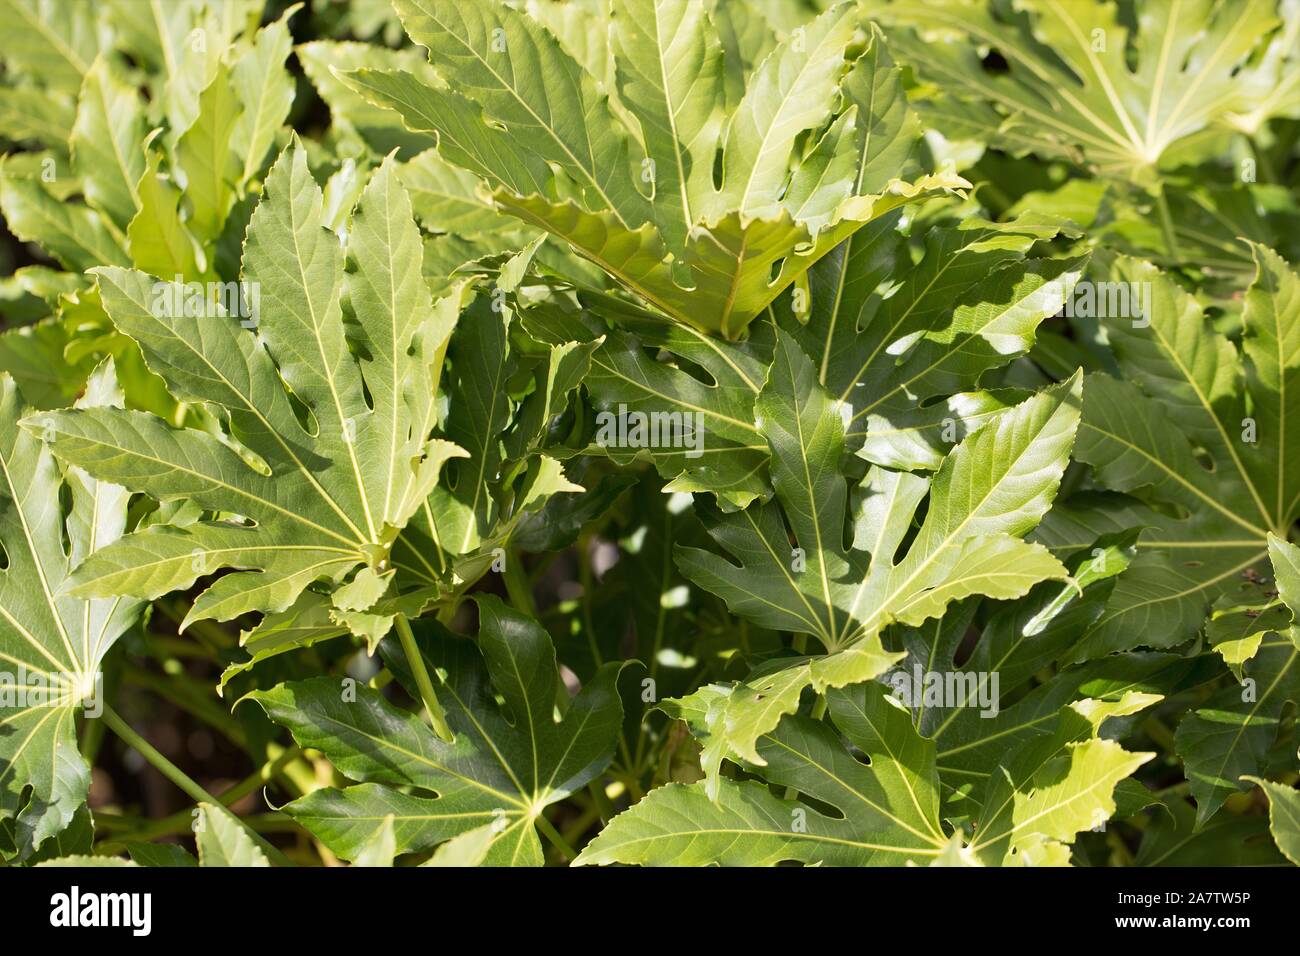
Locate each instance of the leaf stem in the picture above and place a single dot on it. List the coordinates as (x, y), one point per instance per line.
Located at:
(187, 694)
(552, 834)
(437, 717)
(601, 799)
(1167, 225)
(518, 586)
(1158, 732)
(180, 822)
(819, 707)
(581, 824)
(177, 776)
(92, 735)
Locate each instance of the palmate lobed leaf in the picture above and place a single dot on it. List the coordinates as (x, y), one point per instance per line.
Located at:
(168, 131)
(992, 489)
(626, 176)
(319, 500)
(888, 337)
(1199, 433)
(1088, 84)
(1045, 792)
(506, 764)
(49, 639)
(732, 455)
(1224, 744)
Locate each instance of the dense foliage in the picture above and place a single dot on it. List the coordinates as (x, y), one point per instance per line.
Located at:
(649, 432)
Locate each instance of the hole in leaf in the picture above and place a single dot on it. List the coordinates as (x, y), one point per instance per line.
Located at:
(995, 63)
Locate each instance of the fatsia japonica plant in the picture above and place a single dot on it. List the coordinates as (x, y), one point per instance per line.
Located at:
(649, 432)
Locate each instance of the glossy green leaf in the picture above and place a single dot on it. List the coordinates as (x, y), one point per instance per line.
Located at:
(505, 766)
(887, 809)
(845, 590)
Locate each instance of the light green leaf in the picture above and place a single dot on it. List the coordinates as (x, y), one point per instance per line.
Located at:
(1283, 816)
(791, 91)
(105, 142)
(265, 90)
(321, 500)
(1057, 786)
(468, 849)
(1087, 86)
(204, 153)
(224, 843)
(84, 862)
(524, 80)
(641, 203)
(381, 848)
(991, 489)
(973, 303)
(51, 645)
(161, 245)
(669, 68)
